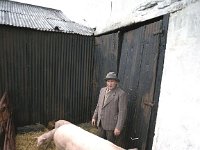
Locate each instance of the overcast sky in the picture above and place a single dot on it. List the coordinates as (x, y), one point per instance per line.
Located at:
(87, 12)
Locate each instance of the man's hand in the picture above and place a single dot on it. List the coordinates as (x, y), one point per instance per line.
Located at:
(117, 132)
(93, 122)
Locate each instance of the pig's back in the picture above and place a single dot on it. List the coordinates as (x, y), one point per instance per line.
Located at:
(73, 137)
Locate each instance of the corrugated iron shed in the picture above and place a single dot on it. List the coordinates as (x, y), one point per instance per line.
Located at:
(39, 18)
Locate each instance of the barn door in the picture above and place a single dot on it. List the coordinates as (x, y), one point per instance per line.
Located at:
(137, 73)
(105, 60)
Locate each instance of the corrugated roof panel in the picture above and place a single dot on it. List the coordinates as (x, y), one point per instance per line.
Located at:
(39, 18)
(2, 20)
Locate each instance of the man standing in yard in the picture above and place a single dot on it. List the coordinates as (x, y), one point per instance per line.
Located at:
(111, 110)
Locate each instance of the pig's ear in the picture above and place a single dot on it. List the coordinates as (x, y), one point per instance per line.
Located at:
(43, 139)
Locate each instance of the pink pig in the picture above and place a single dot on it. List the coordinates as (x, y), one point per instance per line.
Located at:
(72, 137)
(60, 123)
(46, 137)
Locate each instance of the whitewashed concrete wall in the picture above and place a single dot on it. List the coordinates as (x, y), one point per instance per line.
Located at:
(178, 120)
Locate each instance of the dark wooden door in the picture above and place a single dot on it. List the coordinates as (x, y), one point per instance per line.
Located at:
(105, 60)
(137, 73)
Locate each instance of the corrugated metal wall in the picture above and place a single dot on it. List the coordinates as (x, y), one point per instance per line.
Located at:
(141, 57)
(47, 75)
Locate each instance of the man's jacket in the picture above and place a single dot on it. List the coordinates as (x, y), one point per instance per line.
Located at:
(112, 113)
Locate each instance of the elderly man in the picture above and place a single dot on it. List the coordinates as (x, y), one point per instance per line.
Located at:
(110, 113)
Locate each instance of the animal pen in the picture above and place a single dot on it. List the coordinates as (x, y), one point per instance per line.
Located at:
(53, 68)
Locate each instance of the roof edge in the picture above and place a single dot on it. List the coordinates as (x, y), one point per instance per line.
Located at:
(142, 14)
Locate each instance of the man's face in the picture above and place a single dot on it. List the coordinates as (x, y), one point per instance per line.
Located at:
(111, 84)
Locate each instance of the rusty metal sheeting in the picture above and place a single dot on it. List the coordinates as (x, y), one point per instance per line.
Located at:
(48, 75)
(7, 129)
(39, 18)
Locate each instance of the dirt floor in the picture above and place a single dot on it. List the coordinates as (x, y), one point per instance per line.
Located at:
(27, 141)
